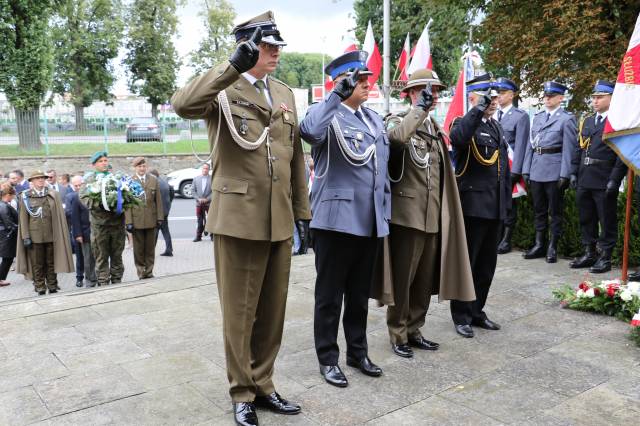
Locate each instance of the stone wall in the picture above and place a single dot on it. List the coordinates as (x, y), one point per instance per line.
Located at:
(72, 165)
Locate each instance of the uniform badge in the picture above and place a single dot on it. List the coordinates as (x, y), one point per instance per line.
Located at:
(244, 127)
(286, 110)
(359, 136)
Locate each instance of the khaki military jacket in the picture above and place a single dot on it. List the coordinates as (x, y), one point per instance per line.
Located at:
(39, 229)
(248, 201)
(148, 214)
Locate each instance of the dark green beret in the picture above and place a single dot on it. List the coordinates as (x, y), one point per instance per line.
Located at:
(98, 155)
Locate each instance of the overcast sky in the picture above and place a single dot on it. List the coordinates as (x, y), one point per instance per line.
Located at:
(306, 26)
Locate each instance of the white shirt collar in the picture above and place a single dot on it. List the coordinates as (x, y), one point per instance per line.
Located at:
(140, 177)
(551, 112)
(506, 109)
(602, 114)
(353, 111)
(253, 80)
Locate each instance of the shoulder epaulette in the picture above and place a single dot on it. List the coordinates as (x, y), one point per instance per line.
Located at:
(281, 83)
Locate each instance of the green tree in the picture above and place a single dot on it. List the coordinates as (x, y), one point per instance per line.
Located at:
(86, 36)
(301, 70)
(448, 32)
(572, 41)
(152, 60)
(218, 16)
(26, 62)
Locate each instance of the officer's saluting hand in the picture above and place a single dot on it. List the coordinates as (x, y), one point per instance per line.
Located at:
(246, 54)
(345, 87)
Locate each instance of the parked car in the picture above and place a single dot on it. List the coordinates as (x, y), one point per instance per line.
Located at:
(182, 181)
(144, 129)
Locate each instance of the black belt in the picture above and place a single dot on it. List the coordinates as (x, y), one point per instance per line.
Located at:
(589, 161)
(539, 150)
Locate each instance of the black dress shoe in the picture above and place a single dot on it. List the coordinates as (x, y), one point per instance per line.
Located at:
(78, 283)
(402, 350)
(422, 343)
(334, 375)
(167, 253)
(196, 239)
(277, 404)
(634, 276)
(245, 414)
(464, 330)
(486, 323)
(53, 290)
(365, 366)
(42, 292)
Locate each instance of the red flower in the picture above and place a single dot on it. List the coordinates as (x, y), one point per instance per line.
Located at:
(611, 291)
(596, 291)
(583, 286)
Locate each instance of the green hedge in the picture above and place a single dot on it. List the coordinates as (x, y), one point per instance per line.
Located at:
(570, 244)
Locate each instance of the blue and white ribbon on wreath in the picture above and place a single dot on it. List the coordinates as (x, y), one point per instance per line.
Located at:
(103, 191)
(25, 200)
(119, 197)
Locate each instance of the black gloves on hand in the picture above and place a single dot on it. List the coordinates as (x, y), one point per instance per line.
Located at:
(526, 179)
(129, 228)
(484, 102)
(246, 54)
(345, 87)
(612, 188)
(573, 182)
(27, 243)
(563, 183)
(515, 178)
(302, 225)
(425, 99)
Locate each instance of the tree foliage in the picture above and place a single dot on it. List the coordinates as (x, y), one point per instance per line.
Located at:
(301, 69)
(218, 16)
(86, 36)
(572, 41)
(152, 60)
(447, 34)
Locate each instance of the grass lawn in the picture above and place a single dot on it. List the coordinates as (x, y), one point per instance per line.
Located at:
(132, 148)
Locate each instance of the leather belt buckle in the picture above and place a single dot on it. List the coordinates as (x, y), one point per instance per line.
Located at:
(538, 150)
(587, 161)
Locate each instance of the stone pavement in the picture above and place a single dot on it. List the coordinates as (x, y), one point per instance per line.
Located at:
(151, 353)
(187, 257)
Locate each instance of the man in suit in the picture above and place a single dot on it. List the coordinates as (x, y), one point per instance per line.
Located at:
(259, 190)
(143, 221)
(515, 125)
(202, 195)
(484, 182)
(45, 249)
(351, 206)
(17, 179)
(599, 174)
(81, 234)
(167, 194)
(428, 244)
(548, 169)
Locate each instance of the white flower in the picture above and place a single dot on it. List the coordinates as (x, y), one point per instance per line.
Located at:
(590, 293)
(608, 282)
(580, 293)
(626, 295)
(634, 287)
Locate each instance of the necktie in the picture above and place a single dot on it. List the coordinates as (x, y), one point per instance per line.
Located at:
(548, 116)
(598, 120)
(261, 86)
(500, 115)
(360, 117)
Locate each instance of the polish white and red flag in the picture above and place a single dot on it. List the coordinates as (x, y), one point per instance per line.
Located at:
(403, 61)
(622, 128)
(422, 52)
(374, 60)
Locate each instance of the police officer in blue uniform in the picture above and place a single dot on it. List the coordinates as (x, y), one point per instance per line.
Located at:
(548, 168)
(484, 183)
(351, 204)
(515, 125)
(600, 172)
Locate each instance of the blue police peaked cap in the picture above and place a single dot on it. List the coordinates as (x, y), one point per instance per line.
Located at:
(356, 59)
(505, 84)
(603, 87)
(482, 83)
(554, 88)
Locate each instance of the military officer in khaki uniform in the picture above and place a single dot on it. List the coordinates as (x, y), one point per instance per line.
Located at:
(44, 249)
(107, 228)
(259, 189)
(144, 221)
(428, 244)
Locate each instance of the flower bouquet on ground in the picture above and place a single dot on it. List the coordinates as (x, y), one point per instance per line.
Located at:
(609, 297)
(115, 192)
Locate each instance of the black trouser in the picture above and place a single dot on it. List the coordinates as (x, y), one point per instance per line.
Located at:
(512, 216)
(5, 266)
(77, 249)
(547, 201)
(594, 206)
(168, 246)
(201, 214)
(482, 244)
(344, 264)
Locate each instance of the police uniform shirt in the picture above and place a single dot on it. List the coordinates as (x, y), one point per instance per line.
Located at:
(501, 112)
(253, 80)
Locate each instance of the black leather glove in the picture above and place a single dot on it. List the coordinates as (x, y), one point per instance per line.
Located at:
(246, 54)
(425, 100)
(515, 178)
(27, 243)
(302, 226)
(484, 102)
(526, 179)
(612, 188)
(573, 182)
(563, 183)
(129, 228)
(345, 87)
(159, 224)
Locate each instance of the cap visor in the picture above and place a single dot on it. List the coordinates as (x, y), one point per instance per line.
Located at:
(601, 93)
(272, 40)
